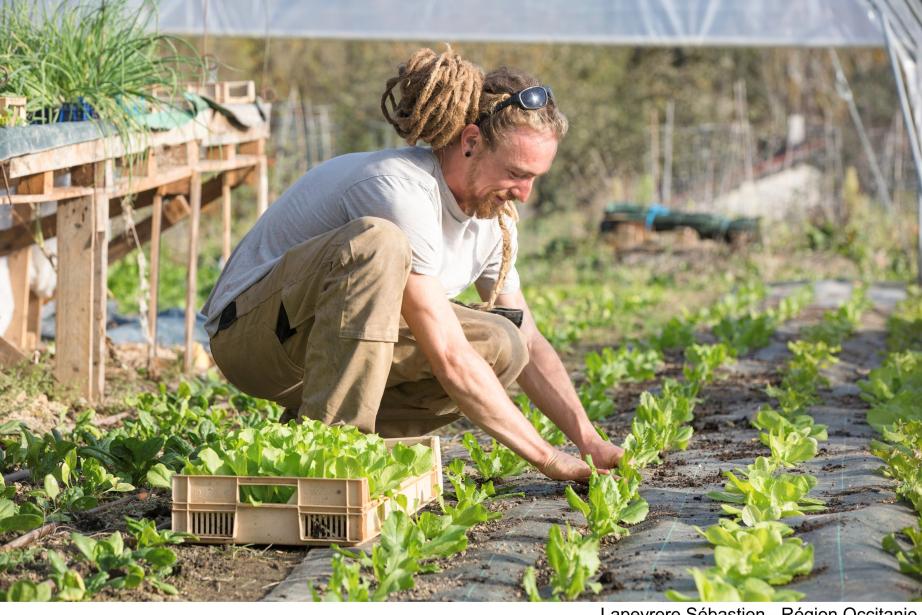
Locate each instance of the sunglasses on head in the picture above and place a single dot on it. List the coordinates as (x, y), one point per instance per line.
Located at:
(529, 99)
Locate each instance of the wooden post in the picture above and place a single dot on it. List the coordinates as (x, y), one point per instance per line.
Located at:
(195, 201)
(103, 176)
(156, 217)
(654, 153)
(258, 148)
(20, 262)
(34, 324)
(667, 153)
(227, 179)
(74, 314)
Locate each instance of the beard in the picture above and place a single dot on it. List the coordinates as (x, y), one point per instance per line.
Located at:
(489, 206)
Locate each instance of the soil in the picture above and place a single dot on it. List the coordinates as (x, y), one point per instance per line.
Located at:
(658, 551)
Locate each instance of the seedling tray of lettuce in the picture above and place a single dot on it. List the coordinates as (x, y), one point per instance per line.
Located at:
(303, 483)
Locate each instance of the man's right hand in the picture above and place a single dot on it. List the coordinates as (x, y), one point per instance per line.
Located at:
(561, 466)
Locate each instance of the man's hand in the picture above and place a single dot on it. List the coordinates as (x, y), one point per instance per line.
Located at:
(605, 455)
(561, 466)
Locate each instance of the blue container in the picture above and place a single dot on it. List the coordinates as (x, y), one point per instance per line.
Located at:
(79, 111)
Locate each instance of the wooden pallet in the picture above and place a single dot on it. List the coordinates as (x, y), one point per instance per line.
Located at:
(177, 174)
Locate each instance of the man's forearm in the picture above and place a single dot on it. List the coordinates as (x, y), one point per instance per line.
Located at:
(470, 381)
(546, 382)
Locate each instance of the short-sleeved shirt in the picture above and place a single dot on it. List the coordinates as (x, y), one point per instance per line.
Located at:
(404, 186)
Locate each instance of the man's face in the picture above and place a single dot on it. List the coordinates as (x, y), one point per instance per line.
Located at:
(508, 172)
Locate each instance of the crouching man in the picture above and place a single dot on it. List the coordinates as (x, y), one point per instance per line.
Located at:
(336, 304)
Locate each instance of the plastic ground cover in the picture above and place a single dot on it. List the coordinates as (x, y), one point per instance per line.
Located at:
(849, 564)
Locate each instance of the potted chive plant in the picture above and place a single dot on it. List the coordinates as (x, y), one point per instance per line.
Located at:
(100, 60)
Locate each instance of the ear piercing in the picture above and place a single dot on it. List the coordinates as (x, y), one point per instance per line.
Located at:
(467, 154)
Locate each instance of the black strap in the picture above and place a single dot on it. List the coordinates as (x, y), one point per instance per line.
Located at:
(282, 329)
(228, 316)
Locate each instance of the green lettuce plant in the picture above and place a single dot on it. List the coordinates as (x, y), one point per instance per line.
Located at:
(498, 462)
(611, 503)
(573, 560)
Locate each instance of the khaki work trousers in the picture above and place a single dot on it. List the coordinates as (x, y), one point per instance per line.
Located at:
(348, 356)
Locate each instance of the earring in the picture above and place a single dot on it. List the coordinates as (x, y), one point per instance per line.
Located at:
(467, 154)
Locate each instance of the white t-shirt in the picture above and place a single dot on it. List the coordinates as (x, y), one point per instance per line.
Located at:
(404, 186)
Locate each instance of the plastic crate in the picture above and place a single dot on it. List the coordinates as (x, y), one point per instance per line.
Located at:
(322, 511)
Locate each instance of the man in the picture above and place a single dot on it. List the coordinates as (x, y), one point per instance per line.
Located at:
(336, 304)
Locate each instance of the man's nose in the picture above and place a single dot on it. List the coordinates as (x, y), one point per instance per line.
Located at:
(523, 189)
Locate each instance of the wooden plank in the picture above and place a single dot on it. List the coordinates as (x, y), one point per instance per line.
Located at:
(34, 326)
(261, 179)
(88, 152)
(226, 183)
(57, 194)
(104, 172)
(9, 353)
(74, 313)
(19, 263)
(155, 218)
(195, 201)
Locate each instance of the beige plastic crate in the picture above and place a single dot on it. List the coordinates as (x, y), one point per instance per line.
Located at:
(321, 511)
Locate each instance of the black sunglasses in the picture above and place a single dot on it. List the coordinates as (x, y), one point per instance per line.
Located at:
(534, 97)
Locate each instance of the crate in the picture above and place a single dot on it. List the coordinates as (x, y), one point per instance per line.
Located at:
(322, 511)
(15, 108)
(226, 92)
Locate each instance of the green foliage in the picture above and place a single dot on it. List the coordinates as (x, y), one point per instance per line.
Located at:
(774, 423)
(790, 449)
(910, 555)
(762, 495)
(405, 550)
(108, 57)
(573, 560)
(611, 502)
(702, 360)
(498, 462)
(542, 424)
(310, 449)
(715, 587)
(746, 332)
(346, 583)
(677, 333)
(762, 551)
(632, 364)
(901, 454)
(904, 325)
(668, 415)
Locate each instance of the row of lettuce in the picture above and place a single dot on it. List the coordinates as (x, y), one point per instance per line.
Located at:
(894, 393)
(754, 551)
(661, 423)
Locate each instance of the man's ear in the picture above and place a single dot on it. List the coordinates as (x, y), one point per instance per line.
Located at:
(470, 138)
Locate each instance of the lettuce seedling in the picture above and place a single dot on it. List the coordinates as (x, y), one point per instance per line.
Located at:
(900, 371)
(715, 587)
(791, 449)
(542, 424)
(573, 560)
(770, 421)
(346, 583)
(761, 551)
(765, 496)
(499, 462)
(702, 360)
(910, 556)
(610, 503)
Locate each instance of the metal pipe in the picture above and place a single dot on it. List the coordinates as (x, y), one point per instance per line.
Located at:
(911, 129)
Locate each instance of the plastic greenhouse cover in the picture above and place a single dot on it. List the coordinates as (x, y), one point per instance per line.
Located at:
(625, 22)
